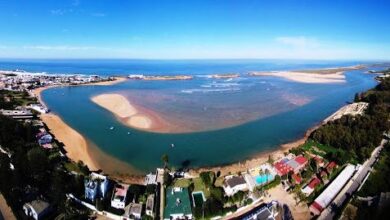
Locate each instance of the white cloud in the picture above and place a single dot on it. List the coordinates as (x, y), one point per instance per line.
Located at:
(59, 47)
(298, 41)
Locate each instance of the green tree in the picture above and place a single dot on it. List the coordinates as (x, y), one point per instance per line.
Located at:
(38, 161)
(165, 160)
(206, 179)
(167, 178)
(267, 172)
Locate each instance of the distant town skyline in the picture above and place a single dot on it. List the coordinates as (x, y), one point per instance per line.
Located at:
(195, 30)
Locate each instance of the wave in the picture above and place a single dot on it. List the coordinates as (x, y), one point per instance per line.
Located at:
(215, 84)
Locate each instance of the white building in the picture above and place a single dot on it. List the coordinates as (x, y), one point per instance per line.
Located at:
(119, 196)
(150, 205)
(96, 186)
(134, 211)
(233, 184)
(36, 209)
(327, 196)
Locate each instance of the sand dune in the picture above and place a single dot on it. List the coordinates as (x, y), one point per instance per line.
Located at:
(122, 108)
(306, 77)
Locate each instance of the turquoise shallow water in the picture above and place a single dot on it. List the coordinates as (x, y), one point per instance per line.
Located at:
(211, 144)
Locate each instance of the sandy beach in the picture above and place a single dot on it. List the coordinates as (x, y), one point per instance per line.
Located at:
(305, 77)
(124, 110)
(74, 143)
(78, 148)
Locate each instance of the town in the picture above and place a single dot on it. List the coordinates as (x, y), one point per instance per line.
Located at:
(314, 180)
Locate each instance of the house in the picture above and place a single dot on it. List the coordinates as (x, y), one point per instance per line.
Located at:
(134, 211)
(151, 179)
(45, 139)
(96, 186)
(233, 184)
(119, 196)
(286, 165)
(178, 204)
(330, 166)
(282, 168)
(301, 161)
(17, 114)
(36, 209)
(309, 188)
(39, 108)
(150, 205)
(296, 178)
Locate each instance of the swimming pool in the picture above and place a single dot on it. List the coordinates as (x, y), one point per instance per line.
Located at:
(198, 198)
(262, 179)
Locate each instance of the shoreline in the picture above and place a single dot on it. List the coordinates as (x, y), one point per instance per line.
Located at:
(133, 176)
(78, 148)
(257, 159)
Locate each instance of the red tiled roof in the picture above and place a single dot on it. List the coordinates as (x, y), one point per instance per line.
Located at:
(314, 182)
(317, 206)
(331, 165)
(297, 178)
(301, 159)
(282, 168)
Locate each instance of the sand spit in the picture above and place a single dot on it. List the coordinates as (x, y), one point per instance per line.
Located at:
(328, 75)
(124, 110)
(305, 77)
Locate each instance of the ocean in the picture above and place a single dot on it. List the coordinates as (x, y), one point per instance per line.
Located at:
(223, 120)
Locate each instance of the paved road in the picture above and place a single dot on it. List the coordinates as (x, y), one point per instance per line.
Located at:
(352, 185)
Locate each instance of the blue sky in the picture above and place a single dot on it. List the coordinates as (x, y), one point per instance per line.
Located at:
(195, 29)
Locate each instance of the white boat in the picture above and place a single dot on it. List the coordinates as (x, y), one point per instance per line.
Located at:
(172, 145)
(112, 128)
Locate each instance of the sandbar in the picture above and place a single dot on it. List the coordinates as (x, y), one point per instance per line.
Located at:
(124, 110)
(305, 77)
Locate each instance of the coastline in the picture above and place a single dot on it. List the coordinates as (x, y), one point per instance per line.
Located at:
(76, 145)
(94, 157)
(257, 159)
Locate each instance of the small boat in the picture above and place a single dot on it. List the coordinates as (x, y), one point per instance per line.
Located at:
(172, 145)
(112, 128)
(128, 132)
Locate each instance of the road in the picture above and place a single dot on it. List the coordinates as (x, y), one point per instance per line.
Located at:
(352, 185)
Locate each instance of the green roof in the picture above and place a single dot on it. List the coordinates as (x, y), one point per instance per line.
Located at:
(177, 202)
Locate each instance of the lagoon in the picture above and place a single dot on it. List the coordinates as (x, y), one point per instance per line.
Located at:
(226, 123)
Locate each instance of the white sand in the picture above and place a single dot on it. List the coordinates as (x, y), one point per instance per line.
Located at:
(122, 108)
(305, 77)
